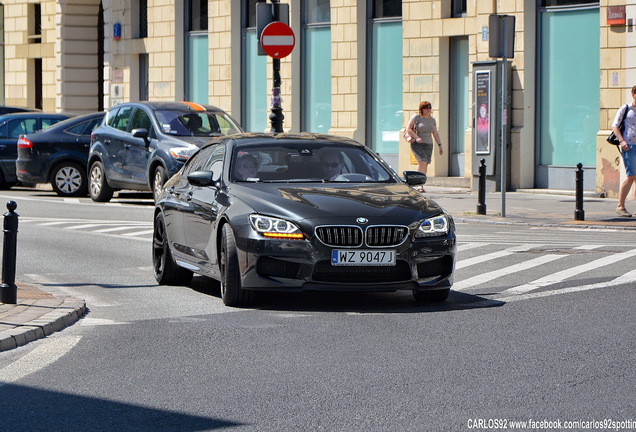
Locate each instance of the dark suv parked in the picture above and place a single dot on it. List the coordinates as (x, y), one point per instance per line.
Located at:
(139, 145)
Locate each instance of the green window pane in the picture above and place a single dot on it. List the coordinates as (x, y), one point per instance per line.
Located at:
(197, 68)
(256, 100)
(570, 81)
(318, 80)
(386, 88)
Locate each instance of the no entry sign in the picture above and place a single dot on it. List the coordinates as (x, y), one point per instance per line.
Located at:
(278, 39)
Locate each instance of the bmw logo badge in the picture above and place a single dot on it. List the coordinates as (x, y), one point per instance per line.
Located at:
(362, 220)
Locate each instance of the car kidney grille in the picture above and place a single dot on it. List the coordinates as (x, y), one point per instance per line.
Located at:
(340, 235)
(385, 235)
(351, 236)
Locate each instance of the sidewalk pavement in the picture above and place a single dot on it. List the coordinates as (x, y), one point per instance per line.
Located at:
(38, 313)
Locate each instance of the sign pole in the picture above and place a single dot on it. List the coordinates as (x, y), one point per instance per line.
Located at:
(503, 132)
(276, 117)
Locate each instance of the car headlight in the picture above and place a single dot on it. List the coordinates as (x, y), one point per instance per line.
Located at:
(431, 227)
(183, 153)
(272, 227)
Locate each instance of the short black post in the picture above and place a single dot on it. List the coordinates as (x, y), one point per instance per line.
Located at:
(481, 204)
(579, 214)
(8, 289)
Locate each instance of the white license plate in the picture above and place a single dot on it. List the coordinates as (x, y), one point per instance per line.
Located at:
(362, 257)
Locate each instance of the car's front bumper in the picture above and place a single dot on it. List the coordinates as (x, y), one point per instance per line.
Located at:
(425, 264)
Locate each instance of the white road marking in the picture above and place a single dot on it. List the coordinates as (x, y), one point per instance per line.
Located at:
(138, 233)
(487, 277)
(627, 278)
(568, 273)
(87, 321)
(468, 246)
(483, 258)
(49, 351)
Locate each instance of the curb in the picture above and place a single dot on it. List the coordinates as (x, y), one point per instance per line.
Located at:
(61, 315)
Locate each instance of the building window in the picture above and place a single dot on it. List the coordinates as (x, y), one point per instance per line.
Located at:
(317, 67)
(197, 51)
(198, 15)
(143, 18)
(385, 81)
(35, 23)
(255, 106)
(37, 84)
(144, 76)
(458, 8)
(387, 8)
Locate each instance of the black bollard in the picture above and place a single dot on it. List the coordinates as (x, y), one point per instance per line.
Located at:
(579, 214)
(481, 203)
(8, 289)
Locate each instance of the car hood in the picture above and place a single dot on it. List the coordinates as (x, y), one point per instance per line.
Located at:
(338, 203)
(197, 141)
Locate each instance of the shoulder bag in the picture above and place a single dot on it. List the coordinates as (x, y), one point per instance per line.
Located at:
(407, 136)
(612, 138)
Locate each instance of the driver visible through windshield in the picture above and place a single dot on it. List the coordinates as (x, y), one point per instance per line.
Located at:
(305, 162)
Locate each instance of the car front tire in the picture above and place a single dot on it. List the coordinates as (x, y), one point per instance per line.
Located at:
(166, 270)
(98, 188)
(232, 293)
(69, 179)
(158, 180)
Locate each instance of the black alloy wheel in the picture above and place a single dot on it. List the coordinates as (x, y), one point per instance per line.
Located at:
(98, 188)
(69, 179)
(232, 293)
(166, 271)
(158, 180)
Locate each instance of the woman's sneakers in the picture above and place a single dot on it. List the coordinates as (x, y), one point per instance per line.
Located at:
(622, 212)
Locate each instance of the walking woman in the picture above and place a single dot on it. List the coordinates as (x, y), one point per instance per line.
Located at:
(423, 128)
(627, 147)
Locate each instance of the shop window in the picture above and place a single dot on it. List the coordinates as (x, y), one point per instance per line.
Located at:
(255, 107)
(317, 67)
(197, 51)
(385, 83)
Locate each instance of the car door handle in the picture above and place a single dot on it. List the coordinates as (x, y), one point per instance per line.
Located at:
(127, 146)
(107, 142)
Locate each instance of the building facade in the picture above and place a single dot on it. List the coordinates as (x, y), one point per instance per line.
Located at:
(359, 69)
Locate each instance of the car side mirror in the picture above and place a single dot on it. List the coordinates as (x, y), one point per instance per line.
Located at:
(141, 133)
(202, 178)
(414, 178)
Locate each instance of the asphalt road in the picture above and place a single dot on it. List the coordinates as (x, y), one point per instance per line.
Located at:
(151, 358)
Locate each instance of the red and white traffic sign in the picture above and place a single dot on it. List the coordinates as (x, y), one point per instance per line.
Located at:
(278, 39)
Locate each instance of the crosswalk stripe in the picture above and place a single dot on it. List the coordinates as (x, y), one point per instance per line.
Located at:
(469, 246)
(627, 278)
(568, 273)
(487, 277)
(483, 258)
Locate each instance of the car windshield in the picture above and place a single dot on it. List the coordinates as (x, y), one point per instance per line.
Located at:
(308, 162)
(180, 123)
